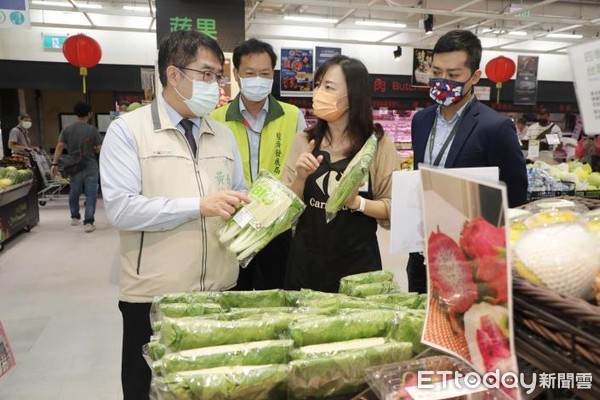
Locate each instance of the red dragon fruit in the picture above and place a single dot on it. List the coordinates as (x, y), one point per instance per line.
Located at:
(450, 273)
(486, 245)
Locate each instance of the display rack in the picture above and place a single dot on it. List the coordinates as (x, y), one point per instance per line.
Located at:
(18, 210)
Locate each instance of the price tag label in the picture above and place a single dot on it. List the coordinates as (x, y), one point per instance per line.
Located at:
(242, 217)
(533, 151)
(553, 138)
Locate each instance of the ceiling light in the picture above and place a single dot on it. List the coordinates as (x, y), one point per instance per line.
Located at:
(428, 24)
(138, 8)
(517, 33)
(310, 19)
(380, 23)
(564, 36)
(486, 30)
(89, 6)
(397, 53)
(52, 3)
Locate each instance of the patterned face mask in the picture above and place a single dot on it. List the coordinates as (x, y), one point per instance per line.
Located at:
(446, 92)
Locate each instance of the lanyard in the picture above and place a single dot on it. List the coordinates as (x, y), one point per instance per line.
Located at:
(449, 139)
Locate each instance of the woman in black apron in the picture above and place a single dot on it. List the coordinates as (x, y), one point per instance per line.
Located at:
(322, 253)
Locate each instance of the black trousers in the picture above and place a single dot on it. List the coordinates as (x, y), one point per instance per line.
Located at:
(417, 273)
(267, 269)
(135, 373)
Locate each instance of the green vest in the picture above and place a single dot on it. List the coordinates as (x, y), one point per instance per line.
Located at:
(275, 139)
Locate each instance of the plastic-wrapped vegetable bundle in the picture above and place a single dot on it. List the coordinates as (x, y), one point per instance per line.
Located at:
(339, 371)
(355, 172)
(273, 210)
(408, 327)
(178, 310)
(191, 333)
(253, 298)
(255, 382)
(252, 353)
(348, 283)
(188, 297)
(411, 300)
(336, 328)
(370, 289)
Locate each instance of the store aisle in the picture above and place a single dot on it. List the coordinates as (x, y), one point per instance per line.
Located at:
(60, 312)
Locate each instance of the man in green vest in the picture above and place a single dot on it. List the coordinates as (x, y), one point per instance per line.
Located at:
(264, 129)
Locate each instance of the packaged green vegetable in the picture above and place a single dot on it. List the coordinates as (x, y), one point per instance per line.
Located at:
(252, 353)
(257, 382)
(355, 172)
(274, 209)
(347, 283)
(191, 333)
(253, 299)
(340, 372)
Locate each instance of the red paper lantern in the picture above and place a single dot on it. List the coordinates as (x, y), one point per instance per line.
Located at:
(500, 69)
(83, 52)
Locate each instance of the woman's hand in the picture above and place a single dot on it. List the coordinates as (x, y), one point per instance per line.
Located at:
(307, 163)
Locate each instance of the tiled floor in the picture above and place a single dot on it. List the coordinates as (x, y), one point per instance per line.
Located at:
(59, 308)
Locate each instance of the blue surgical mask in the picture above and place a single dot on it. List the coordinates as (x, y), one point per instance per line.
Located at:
(256, 88)
(205, 97)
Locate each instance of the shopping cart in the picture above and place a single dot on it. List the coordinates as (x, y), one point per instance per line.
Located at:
(52, 185)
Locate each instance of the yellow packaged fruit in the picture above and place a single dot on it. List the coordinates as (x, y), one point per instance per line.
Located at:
(516, 223)
(550, 217)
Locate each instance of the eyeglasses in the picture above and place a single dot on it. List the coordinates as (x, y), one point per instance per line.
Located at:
(209, 76)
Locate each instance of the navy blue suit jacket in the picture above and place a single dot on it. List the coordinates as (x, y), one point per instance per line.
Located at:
(484, 138)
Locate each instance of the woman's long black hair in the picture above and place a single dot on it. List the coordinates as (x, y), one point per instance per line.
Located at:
(360, 124)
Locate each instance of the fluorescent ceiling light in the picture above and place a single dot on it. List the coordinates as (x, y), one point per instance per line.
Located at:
(89, 6)
(564, 36)
(381, 23)
(517, 33)
(52, 3)
(138, 8)
(310, 19)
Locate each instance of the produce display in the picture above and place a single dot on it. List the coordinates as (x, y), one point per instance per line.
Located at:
(10, 176)
(273, 210)
(274, 344)
(356, 172)
(557, 247)
(565, 176)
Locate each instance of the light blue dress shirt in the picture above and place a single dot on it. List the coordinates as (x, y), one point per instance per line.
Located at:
(442, 131)
(256, 126)
(121, 179)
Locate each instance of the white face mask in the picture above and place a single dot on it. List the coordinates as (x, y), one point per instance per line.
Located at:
(256, 88)
(26, 124)
(205, 97)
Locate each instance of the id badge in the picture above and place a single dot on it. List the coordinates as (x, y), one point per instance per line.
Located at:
(533, 151)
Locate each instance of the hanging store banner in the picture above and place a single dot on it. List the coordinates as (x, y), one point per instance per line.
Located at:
(296, 72)
(226, 25)
(14, 14)
(585, 64)
(322, 54)
(469, 305)
(526, 83)
(422, 59)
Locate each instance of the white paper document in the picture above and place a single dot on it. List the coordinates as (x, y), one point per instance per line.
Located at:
(407, 215)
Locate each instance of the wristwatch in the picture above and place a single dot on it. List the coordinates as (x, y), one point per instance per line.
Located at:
(362, 202)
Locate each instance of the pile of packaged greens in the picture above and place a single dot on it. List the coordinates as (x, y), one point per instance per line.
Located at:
(274, 209)
(277, 344)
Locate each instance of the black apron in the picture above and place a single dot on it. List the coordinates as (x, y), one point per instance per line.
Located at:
(321, 253)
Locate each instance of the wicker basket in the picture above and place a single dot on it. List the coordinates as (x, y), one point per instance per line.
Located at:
(572, 325)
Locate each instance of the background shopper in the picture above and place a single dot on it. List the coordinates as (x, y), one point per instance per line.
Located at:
(83, 139)
(18, 138)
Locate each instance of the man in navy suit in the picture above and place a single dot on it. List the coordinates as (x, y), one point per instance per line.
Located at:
(460, 131)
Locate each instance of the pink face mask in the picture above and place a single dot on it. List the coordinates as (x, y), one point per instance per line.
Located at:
(327, 105)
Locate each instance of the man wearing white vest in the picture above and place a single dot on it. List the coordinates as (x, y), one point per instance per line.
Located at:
(169, 173)
(264, 129)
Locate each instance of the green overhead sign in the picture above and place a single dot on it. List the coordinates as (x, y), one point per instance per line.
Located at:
(53, 42)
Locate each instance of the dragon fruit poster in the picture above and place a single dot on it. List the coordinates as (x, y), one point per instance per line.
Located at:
(469, 311)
